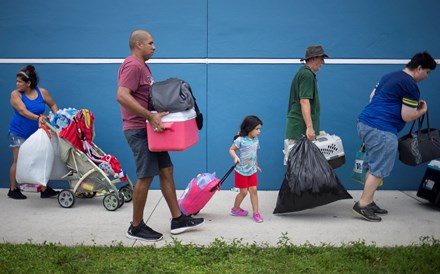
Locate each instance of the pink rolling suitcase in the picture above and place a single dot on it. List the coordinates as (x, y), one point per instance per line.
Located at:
(199, 191)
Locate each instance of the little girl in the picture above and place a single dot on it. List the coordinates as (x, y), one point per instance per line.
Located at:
(244, 153)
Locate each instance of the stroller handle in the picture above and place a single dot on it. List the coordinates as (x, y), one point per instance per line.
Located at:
(47, 124)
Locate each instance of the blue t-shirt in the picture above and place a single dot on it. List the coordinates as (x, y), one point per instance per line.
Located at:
(25, 127)
(384, 112)
(247, 152)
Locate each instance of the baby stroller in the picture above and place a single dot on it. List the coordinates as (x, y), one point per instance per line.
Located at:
(89, 170)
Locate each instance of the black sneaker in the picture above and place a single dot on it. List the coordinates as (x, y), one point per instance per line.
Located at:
(366, 212)
(16, 194)
(49, 192)
(184, 223)
(144, 233)
(376, 209)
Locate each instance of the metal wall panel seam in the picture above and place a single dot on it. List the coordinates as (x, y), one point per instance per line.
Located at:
(204, 61)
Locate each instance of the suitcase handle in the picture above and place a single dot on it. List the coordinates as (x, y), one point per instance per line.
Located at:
(217, 186)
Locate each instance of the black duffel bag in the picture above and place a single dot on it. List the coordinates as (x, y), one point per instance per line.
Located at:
(419, 147)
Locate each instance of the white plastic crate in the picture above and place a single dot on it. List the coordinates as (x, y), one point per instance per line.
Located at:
(331, 147)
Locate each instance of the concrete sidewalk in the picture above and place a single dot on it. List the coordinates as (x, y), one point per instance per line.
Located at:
(37, 220)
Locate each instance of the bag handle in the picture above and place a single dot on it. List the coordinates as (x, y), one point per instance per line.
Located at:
(429, 130)
(223, 179)
(420, 120)
(44, 127)
(427, 122)
(199, 115)
(419, 123)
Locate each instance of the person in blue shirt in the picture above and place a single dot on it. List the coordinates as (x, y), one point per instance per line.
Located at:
(29, 103)
(394, 102)
(244, 153)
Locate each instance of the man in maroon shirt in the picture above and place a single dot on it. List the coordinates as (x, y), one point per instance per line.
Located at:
(134, 82)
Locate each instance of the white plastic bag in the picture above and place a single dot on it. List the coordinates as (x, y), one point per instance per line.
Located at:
(35, 159)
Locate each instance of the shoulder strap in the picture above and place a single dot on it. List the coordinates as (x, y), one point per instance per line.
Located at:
(199, 115)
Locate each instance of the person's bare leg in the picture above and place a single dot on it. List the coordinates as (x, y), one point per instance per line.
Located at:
(371, 184)
(254, 198)
(168, 189)
(240, 197)
(140, 192)
(13, 169)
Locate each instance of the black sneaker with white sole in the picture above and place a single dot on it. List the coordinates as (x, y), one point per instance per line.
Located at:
(377, 209)
(144, 233)
(49, 192)
(16, 194)
(184, 223)
(366, 212)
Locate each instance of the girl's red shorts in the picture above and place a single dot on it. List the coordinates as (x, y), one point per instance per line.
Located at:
(242, 181)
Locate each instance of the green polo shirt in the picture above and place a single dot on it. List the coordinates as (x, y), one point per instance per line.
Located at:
(304, 86)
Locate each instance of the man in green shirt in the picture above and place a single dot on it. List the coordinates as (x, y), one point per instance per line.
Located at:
(304, 109)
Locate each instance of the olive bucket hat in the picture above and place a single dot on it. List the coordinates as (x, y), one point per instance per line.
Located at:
(314, 51)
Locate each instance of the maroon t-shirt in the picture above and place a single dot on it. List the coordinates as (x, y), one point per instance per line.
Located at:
(136, 76)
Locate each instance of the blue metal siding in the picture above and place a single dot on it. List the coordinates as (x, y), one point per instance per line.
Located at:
(221, 29)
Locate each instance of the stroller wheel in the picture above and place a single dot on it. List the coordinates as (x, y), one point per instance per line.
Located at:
(111, 202)
(121, 199)
(89, 194)
(85, 195)
(127, 192)
(66, 198)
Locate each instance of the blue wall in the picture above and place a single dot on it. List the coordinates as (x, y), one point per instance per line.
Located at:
(221, 29)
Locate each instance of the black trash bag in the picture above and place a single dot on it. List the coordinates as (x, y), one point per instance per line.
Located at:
(309, 180)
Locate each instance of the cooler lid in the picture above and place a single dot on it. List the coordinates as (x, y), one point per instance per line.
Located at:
(435, 164)
(179, 116)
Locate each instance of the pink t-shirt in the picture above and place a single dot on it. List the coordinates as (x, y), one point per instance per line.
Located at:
(136, 76)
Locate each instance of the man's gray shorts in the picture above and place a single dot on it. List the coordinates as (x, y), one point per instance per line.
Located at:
(148, 163)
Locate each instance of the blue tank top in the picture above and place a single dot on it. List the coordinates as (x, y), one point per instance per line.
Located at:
(25, 127)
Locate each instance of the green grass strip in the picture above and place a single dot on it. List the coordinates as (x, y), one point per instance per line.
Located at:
(221, 257)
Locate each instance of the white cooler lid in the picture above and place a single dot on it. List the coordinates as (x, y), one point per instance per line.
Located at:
(179, 116)
(434, 164)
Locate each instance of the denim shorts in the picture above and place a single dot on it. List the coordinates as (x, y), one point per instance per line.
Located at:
(15, 141)
(148, 163)
(380, 149)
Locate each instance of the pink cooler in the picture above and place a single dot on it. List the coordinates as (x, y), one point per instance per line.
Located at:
(180, 132)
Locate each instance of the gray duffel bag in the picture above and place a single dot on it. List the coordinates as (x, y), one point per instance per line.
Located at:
(171, 95)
